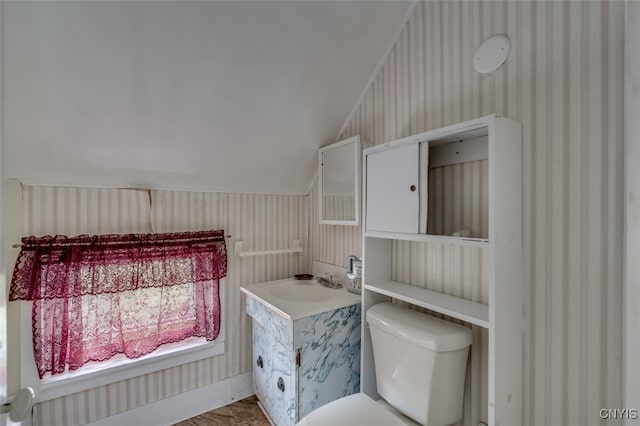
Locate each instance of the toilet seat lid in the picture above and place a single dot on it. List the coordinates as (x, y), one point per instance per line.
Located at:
(356, 409)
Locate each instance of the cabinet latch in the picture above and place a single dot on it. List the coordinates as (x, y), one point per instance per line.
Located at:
(298, 357)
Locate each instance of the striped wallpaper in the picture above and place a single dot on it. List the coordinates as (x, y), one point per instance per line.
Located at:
(462, 191)
(437, 267)
(338, 207)
(261, 221)
(563, 82)
(331, 243)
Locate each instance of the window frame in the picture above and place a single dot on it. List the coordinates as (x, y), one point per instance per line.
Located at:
(122, 368)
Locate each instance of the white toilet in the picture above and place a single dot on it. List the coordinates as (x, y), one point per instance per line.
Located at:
(420, 364)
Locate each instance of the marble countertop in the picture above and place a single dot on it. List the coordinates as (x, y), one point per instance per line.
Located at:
(294, 299)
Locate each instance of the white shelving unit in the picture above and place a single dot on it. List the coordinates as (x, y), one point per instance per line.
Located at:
(427, 204)
(466, 310)
(435, 239)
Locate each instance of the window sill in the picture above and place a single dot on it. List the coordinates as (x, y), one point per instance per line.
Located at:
(122, 368)
(166, 356)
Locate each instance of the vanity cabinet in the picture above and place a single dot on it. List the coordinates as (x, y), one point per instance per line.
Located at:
(301, 364)
(462, 224)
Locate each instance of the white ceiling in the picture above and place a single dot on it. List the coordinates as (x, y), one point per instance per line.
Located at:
(223, 96)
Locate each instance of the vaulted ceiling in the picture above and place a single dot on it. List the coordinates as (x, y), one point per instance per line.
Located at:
(224, 96)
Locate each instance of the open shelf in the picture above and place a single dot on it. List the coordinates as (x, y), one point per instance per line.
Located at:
(456, 307)
(439, 239)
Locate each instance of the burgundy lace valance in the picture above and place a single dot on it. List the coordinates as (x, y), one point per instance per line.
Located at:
(59, 267)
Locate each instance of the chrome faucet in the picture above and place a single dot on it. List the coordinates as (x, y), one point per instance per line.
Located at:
(329, 283)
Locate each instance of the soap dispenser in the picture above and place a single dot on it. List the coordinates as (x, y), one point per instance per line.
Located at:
(354, 276)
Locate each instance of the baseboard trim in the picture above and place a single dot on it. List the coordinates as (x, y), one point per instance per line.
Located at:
(266, 414)
(185, 405)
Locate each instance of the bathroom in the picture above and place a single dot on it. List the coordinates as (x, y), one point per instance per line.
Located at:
(96, 121)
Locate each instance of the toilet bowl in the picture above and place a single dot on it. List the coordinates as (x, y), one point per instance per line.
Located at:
(420, 363)
(355, 410)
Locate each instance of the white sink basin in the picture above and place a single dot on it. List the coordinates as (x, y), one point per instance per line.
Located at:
(296, 299)
(303, 293)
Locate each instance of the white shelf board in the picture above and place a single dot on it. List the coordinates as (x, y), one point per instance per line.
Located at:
(456, 307)
(439, 239)
(239, 245)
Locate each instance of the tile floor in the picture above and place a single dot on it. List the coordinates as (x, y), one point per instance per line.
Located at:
(241, 413)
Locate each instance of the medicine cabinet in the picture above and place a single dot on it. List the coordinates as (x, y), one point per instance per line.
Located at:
(445, 206)
(430, 184)
(339, 183)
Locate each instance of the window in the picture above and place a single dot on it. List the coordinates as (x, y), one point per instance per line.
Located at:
(97, 297)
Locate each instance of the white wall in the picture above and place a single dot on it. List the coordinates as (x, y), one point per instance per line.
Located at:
(202, 95)
(632, 205)
(3, 270)
(12, 211)
(564, 82)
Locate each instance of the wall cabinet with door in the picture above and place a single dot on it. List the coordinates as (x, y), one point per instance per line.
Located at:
(459, 186)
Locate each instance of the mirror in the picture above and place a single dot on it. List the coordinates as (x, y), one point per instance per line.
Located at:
(339, 183)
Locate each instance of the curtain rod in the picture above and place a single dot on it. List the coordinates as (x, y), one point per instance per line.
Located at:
(75, 244)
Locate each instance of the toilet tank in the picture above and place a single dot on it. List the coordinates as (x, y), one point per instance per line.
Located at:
(420, 363)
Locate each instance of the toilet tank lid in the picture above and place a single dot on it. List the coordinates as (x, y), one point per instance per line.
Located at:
(421, 329)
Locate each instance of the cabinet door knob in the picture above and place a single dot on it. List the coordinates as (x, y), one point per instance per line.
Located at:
(281, 384)
(259, 361)
(412, 188)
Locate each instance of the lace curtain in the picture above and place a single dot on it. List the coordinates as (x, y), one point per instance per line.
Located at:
(98, 296)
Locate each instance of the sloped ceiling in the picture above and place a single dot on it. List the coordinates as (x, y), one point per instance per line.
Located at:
(224, 96)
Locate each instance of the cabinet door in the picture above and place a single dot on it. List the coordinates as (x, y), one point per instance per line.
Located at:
(393, 193)
(262, 363)
(282, 386)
